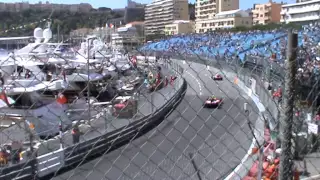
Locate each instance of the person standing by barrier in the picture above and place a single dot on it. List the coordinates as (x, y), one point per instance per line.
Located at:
(76, 135)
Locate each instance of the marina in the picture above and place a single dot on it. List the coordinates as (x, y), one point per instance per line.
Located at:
(50, 88)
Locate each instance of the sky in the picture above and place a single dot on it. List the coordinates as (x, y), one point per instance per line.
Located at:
(244, 4)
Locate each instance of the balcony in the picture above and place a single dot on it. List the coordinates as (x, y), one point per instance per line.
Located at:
(203, 17)
(301, 9)
(160, 11)
(300, 19)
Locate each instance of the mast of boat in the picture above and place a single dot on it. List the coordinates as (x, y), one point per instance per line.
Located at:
(88, 70)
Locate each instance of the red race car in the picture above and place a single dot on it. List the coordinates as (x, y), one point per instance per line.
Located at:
(213, 102)
(217, 77)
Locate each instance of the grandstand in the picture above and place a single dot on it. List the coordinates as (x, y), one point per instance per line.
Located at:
(260, 47)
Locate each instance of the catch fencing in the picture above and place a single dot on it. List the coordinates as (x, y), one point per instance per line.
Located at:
(195, 127)
(38, 163)
(264, 77)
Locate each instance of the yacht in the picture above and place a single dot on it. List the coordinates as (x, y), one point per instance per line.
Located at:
(52, 69)
(46, 114)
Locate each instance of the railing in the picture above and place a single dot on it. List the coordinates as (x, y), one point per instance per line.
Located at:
(44, 166)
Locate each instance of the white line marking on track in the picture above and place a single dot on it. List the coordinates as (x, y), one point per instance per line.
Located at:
(199, 84)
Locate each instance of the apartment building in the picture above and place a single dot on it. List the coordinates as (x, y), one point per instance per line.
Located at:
(179, 27)
(266, 13)
(206, 11)
(160, 13)
(139, 25)
(126, 37)
(228, 20)
(305, 12)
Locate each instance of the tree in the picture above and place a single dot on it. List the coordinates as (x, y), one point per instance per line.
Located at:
(66, 20)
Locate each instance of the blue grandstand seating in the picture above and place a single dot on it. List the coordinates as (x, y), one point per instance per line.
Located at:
(263, 43)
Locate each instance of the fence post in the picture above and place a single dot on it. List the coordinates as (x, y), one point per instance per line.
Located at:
(286, 159)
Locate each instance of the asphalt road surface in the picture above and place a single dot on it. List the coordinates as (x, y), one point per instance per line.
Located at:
(218, 139)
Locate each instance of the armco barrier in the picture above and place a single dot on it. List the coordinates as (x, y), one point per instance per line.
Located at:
(45, 165)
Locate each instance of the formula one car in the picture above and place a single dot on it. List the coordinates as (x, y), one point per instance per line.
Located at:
(217, 77)
(213, 102)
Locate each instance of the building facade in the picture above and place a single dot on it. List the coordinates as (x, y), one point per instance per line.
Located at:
(179, 27)
(266, 13)
(303, 12)
(163, 12)
(126, 37)
(133, 14)
(139, 25)
(206, 11)
(133, 4)
(227, 20)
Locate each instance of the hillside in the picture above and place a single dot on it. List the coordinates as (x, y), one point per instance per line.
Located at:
(25, 22)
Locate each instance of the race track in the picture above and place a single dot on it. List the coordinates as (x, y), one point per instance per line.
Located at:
(218, 139)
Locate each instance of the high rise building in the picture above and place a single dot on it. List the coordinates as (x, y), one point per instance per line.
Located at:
(206, 11)
(134, 12)
(302, 12)
(163, 12)
(133, 4)
(266, 13)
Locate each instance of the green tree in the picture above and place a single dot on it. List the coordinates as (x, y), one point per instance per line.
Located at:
(66, 20)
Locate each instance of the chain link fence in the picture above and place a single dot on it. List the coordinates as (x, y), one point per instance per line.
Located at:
(206, 106)
(61, 107)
